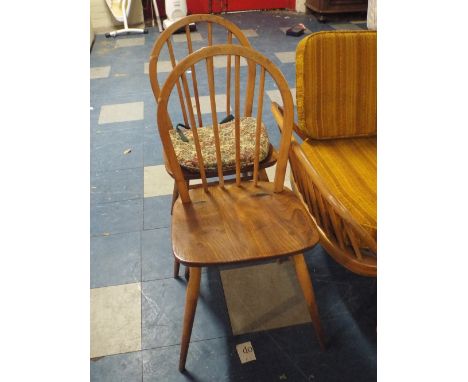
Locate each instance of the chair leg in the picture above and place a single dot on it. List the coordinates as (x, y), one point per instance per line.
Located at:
(193, 290)
(308, 291)
(187, 273)
(262, 175)
(176, 268)
(175, 195)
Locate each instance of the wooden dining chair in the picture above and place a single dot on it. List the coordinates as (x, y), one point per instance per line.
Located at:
(165, 41)
(236, 220)
(216, 26)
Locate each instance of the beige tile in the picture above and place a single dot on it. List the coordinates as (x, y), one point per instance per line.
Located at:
(345, 26)
(276, 96)
(195, 36)
(163, 67)
(221, 61)
(115, 319)
(157, 181)
(127, 42)
(205, 105)
(271, 175)
(249, 32)
(286, 57)
(122, 112)
(264, 297)
(100, 72)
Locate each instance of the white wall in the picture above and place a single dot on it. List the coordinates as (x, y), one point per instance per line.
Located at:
(103, 21)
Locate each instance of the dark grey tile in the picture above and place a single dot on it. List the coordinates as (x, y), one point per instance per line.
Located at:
(117, 217)
(153, 151)
(157, 212)
(156, 254)
(217, 360)
(121, 367)
(115, 259)
(163, 306)
(115, 156)
(117, 185)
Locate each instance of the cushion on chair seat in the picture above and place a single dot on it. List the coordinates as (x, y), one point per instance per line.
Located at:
(187, 155)
(349, 169)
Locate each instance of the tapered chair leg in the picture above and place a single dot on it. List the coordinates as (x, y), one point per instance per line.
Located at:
(187, 273)
(308, 291)
(262, 175)
(176, 268)
(175, 195)
(191, 299)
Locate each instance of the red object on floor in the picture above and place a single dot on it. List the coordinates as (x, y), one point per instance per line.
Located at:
(202, 6)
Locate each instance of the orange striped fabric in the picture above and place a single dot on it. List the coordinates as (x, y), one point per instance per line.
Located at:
(349, 169)
(336, 84)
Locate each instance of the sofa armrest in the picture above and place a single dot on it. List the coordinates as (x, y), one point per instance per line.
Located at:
(277, 111)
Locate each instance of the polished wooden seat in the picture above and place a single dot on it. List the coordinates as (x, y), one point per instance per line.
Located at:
(242, 219)
(334, 170)
(233, 224)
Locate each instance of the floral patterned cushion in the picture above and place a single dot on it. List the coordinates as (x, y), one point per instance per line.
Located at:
(187, 155)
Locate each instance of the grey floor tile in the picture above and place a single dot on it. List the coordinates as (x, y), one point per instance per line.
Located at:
(129, 42)
(115, 259)
(163, 306)
(116, 157)
(156, 254)
(117, 185)
(152, 150)
(120, 367)
(157, 212)
(117, 217)
(217, 360)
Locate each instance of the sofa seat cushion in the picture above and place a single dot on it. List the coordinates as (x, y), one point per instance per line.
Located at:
(187, 155)
(349, 169)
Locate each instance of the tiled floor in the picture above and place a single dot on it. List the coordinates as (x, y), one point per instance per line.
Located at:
(136, 305)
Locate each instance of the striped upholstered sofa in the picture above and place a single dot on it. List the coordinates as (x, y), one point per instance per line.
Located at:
(334, 169)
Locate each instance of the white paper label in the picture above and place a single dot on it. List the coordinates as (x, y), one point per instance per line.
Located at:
(246, 352)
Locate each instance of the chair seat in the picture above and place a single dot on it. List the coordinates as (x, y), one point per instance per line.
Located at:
(349, 169)
(235, 224)
(187, 156)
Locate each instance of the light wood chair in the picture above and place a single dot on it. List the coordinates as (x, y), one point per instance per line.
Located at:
(333, 170)
(235, 220)
(165, 41)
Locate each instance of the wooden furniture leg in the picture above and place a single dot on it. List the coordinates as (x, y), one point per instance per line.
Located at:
(262, 175)
(176, 268)
(308, 290)
(175, 195)
(187, 273)
(193, 290)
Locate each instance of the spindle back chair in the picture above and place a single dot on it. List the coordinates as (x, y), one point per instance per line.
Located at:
(234, 220)
(186, 105)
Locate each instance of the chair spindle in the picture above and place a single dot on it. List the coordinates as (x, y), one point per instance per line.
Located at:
(179, 90)
(228, 77)
(261, 92)
(237, 118)
(210, 34)
(193, 127)
(210, 74)
(194, 76)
